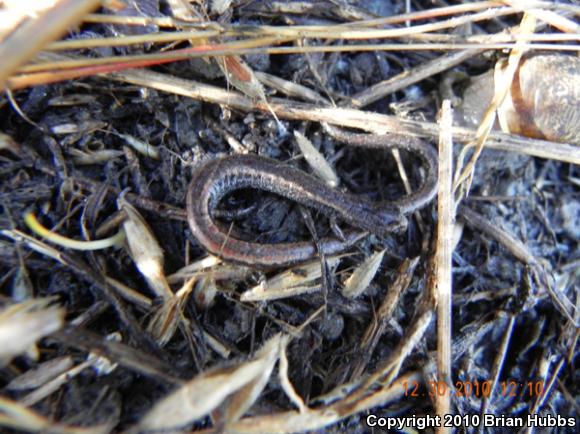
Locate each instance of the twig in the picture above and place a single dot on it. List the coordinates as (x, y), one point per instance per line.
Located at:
(379, 323)
(30, 37)
(368, 121)
(443, 258)
(507, 240)
(411, 76)
(497, 366)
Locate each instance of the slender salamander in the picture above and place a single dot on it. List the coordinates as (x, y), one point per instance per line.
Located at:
(219, 177)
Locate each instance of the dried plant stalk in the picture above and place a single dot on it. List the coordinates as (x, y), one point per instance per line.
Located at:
(34, 33)
(205, 392)
(443, 257)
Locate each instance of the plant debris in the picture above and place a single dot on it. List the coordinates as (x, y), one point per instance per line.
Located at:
(114, 319)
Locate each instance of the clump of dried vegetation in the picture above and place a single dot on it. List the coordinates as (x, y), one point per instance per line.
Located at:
(112, 318)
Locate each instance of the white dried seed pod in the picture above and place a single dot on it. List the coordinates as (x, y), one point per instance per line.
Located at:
(543, 102)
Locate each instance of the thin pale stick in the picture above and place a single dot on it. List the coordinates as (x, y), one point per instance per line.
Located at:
(443, 257)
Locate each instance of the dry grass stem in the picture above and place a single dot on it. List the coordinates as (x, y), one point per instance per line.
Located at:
(155, 38)
(44, 73)
(133, 359)
(290, 89)
(443, 257)
(411, 76)
(142, 147)
(388, 370)
(38, 229)
(368, 121)
(502, 85)
(129, 293)
(547, 388)
(202, 35)
(289, 389)
(36, 29)
(44, 373)
(53, 385)
(498, 364)
(518, 249)
(44, 249)
(376, 328)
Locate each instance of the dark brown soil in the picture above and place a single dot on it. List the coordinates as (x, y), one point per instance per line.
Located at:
(535, 200)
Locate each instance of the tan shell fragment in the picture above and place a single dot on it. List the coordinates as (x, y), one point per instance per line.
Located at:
(543, 102)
